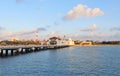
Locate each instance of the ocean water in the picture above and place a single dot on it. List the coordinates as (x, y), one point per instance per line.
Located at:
(71, 61)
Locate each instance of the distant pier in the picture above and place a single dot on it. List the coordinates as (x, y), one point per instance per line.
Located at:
(24, 49)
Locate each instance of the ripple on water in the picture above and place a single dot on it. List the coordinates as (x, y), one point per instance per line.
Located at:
(73, 61)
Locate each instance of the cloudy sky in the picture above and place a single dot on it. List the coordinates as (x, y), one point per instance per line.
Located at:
(78, 19)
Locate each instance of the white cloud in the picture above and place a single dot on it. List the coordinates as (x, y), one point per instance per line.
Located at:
(19, 1)
(54, 33)
(59, 14)
(92, 28)
(27, 34)
(115, 29)
(97, 36)
(83, 11)
(1, 28)
(22, 1)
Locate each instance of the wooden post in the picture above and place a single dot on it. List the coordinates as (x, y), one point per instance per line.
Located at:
(6, 52)
(12, 52)
(38, 49)
(30, 50)
(27, 50)
(16, 51)
(1, 52)
(35, 49)
(22, 51)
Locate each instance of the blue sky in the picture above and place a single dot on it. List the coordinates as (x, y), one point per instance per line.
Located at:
(78, 19)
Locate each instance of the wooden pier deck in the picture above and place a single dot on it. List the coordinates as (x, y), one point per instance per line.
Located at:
(23, 49)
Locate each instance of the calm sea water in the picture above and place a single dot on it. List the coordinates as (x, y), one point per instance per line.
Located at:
(71, 61)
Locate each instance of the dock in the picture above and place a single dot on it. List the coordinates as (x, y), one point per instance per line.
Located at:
(24, 49)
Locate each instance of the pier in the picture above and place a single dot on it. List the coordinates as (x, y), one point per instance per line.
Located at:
(24, 49)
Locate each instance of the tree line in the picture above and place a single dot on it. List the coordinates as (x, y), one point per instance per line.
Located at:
(100, 42)
(108, 42)
(19, 42)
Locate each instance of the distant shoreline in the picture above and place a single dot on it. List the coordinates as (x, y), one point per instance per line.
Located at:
(75, 45)
(100, 45)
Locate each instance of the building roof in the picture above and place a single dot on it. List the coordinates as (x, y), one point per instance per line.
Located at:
(55, 38)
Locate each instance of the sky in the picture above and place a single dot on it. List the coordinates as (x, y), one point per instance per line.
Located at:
(78, 19)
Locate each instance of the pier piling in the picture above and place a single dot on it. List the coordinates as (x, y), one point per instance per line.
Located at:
(6, 52)
(1, 53)
(16, 50)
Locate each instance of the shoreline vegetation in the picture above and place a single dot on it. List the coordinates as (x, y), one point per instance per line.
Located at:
(44, 42)
(97, 43)
(100, 45)
(19, 42)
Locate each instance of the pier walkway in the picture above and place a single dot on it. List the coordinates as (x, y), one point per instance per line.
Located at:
(23, 49)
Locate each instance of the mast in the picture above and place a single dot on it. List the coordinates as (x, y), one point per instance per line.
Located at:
(37, 37)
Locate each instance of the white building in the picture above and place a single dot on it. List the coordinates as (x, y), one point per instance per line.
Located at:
(60, 41)
(70, 42)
